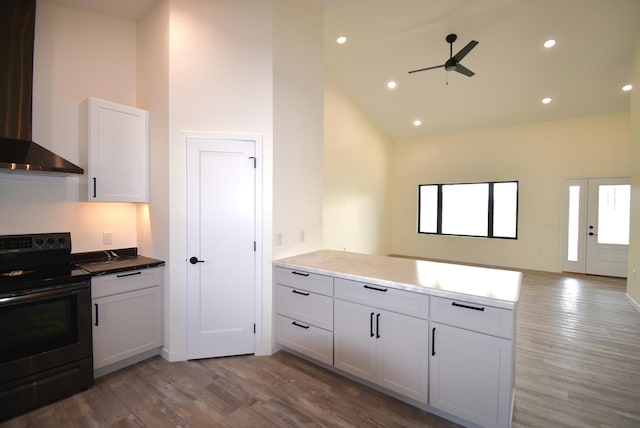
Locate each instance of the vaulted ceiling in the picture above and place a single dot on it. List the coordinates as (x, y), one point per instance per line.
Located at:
(583, 73)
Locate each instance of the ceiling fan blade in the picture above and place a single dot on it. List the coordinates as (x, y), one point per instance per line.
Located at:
(425, 69)
(464, 70)
(465, 50)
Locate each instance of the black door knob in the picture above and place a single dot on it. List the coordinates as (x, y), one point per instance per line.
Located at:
(194, 260)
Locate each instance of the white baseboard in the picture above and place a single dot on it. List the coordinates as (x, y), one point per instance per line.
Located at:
(633, 302)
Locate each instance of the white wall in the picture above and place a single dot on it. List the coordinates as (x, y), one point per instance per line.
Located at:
(77, 54)
(357, 177)
(153, 95)
(230, 72)
(297, 126)
(540, 156)
(633, 280)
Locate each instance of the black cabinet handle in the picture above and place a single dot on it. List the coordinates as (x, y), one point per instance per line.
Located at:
(460, 305)
(300, 325)
(123, 275)
(300, 273)
(300, 292)
(370, 287)
(371, 324)
(96, 306)
(433, 341)
(378, 326)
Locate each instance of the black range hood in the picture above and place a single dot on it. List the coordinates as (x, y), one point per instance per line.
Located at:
(18, 153)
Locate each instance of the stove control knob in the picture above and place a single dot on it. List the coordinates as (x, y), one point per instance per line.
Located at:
(61, 240)
(39, 241)
(51, 241)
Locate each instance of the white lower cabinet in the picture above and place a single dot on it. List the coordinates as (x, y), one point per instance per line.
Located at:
(383, 347)
(127, 315)
(452, 356)
(471, 373)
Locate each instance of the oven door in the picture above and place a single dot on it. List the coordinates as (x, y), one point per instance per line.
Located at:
(44, 329)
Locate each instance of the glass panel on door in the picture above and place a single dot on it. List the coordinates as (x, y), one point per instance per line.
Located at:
(614, 209)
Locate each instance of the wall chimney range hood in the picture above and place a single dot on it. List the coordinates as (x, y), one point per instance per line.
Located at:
(18, 153)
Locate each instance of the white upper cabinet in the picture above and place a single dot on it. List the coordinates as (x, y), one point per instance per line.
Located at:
(118, 152)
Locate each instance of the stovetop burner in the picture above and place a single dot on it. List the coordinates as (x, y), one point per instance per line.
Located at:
(40, 260)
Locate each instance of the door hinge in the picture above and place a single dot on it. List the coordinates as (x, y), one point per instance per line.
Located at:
(254, 161)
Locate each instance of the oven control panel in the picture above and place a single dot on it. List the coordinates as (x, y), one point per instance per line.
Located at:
(35, 242)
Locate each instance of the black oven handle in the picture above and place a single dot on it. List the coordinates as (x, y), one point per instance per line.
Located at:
(44, 294)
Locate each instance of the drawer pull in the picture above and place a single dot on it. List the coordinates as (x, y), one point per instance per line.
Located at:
(466, 306)
(96, 306)
(378, 326)
(300, 292)
(300, 273)
(433, 341)
(300, 325)
(370, 287)
(128, 274)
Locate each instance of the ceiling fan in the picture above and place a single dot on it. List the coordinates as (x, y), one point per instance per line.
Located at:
(453, 63)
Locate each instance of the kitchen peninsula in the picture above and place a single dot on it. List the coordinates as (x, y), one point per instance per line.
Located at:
(439, 336)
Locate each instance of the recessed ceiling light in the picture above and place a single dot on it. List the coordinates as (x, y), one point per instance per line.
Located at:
(546, 100)
(341, 40)
(392, 84)
(627, 87)
(549, 43)
(417, 122)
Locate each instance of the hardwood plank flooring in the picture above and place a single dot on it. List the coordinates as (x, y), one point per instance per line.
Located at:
(577, 365)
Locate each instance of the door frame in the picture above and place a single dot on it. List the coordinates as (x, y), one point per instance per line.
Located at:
(579, 266)
(258, 225)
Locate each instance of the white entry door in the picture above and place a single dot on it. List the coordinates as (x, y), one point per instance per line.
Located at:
(221, 258)
(597, 212)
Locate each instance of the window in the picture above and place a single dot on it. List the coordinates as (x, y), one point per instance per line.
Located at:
(487, 210)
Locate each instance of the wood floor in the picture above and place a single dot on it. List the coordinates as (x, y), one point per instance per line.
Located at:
(577, 365)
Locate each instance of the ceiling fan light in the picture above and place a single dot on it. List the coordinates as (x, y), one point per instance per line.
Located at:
(546, 100)
(549, 43)
(341, 40)
(627, 87)
(392, 84)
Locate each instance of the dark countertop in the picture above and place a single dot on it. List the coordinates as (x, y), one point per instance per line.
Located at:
(113, 261)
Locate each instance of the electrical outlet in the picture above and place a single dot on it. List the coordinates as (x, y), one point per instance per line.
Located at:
(107, 238)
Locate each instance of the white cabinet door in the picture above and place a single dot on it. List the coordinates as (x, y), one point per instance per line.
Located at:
(354, 339)
(118, 153)
(471, 375)
(384, 347)
(126, 324)
(403, 354)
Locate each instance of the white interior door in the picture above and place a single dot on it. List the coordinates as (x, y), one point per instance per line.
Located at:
(221, 247)
(597, 214)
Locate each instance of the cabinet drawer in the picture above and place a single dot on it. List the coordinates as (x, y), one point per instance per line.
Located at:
(404, 302)
(122, 282)
(305, 338)
(472, 316)
(306, 306)
(320, 284)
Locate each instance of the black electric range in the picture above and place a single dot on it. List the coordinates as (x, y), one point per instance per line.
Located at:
(45, 322)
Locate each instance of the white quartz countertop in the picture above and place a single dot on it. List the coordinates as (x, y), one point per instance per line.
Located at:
(488, 286)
